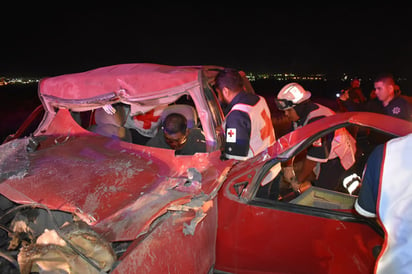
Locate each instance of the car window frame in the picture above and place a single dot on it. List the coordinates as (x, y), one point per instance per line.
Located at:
(252, 194)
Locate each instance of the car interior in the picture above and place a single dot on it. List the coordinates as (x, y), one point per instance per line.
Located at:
(111, 120)
(273, 187)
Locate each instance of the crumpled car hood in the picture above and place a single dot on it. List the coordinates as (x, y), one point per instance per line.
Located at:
(117, 187)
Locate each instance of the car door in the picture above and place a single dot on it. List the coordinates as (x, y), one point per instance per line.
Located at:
(317, 231)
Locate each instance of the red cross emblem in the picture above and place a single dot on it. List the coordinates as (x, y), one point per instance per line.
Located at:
(267, 130)
(147, 118)
(230, 133)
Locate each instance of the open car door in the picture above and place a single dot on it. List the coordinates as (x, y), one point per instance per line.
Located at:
(260, 230)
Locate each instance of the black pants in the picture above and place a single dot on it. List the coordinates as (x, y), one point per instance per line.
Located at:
(331, 175)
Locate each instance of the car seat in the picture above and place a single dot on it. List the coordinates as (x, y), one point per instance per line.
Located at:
(111, 125)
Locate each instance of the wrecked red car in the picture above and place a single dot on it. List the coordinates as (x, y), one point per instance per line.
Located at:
(75, 198)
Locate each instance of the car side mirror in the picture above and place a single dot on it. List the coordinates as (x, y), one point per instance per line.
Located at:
(239, 187)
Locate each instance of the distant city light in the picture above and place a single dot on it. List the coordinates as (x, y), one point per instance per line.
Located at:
(15, 80)
(252, 76)
(286, 76)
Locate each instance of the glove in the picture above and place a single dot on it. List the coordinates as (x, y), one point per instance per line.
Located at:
(288, 174)
(352, 183)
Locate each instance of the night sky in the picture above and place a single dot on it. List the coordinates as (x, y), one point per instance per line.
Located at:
(53, 40)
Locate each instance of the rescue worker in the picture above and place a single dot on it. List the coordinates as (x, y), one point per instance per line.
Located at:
(143, 123)
(327, 157)
(352, 99)
(248, 125)
(385, 194)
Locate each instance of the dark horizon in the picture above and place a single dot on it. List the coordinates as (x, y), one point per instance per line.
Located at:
(53, 41)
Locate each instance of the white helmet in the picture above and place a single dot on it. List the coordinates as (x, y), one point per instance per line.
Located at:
(291, 95)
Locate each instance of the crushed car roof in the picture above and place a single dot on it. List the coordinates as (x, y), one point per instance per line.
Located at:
(126, 80)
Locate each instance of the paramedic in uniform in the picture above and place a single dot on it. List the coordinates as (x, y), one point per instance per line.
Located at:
(143, 123)
(328, 157)
(248, 124)
(386, 194)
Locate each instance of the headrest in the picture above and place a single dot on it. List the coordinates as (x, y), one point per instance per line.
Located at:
(102, 117)
(186, 110)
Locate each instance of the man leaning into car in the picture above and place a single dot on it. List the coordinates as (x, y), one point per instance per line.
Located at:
(328, 157)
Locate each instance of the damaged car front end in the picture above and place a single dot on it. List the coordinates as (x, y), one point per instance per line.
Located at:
(76, 201)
